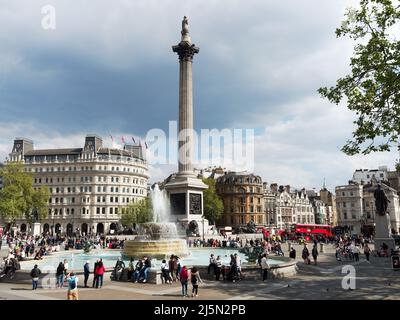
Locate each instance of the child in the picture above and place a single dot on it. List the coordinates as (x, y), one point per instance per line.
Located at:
(72, 287)
(195, 280)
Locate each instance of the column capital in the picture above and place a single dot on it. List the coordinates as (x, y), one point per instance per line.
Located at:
(185, 51)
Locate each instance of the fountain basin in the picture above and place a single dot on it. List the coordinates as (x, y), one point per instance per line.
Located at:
(155, 249)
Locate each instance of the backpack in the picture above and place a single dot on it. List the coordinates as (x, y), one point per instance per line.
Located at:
(72, 284)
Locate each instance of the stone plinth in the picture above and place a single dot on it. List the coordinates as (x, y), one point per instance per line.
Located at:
(382, 232)
(36, 229)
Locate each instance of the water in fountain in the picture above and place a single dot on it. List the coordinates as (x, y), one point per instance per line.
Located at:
(158, 238)
(161, 206)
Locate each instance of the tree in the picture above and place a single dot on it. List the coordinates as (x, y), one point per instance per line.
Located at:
(40, 200)
(18, 198)
(213, 205)
(137, 212)
(372, 89)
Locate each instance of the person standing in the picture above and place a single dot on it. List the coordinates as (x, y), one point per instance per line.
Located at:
(305, 254)
(86, 273)
(356, 252)
(264, 266)
(314, 253)
(95, 277)
(179, 266)
(211, 264)
(195, 280)
(72, 287)
(292, 253)
(60, 275)
(367, 251)
(165, 272)
(218, 267)
(100, 274)
(66, 266)
(35, 272)
(173, 267)
(238, 265)
(184, 278)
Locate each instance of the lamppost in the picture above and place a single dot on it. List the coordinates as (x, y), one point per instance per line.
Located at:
(203, 231)
(53, 219)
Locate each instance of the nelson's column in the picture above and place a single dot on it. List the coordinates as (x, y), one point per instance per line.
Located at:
(185, 189)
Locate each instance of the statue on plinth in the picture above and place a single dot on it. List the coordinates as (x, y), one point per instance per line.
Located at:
(185, 31)
(185, 26)
(35, 216)
(381, 201)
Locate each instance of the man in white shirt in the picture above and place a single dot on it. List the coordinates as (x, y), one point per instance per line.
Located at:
(264, 266)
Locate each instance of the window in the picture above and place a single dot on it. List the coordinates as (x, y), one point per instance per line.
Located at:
(103, 210)
(111, 210)
(97, 210)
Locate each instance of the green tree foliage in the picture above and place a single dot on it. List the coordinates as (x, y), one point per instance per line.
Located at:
(138, 212)
(213, 205)
(18, 198)
(372, 89)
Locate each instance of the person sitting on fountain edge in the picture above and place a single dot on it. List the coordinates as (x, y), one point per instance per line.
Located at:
(119, 268)
(138, 268)
(145, 269)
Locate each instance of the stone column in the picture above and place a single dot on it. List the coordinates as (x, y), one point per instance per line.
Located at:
(186, 51)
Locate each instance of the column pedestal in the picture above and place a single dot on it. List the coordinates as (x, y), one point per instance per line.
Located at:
(383, 232)
(36, 229)
(186, 199)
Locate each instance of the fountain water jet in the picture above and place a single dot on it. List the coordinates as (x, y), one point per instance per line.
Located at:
(159, 238)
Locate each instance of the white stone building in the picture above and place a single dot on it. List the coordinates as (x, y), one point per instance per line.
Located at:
(365, 176)
(355, 205)
(349, 206)
(89, 186)
(290, 207)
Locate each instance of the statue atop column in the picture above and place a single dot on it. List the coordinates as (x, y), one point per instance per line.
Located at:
(381, 201)
(185, 31)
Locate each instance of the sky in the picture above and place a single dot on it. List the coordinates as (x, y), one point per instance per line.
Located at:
(108, 68)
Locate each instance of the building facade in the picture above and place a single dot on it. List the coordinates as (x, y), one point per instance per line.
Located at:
(355, 205)
(243, 198)
(349, 206)
(285, 207)
(89, 186)
(365, 176)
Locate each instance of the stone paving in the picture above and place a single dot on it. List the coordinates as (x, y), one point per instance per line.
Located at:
(375, 280)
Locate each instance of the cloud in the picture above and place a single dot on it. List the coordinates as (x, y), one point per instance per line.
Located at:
(109, 67)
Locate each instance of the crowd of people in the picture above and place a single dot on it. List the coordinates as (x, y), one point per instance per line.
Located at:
(173, 270)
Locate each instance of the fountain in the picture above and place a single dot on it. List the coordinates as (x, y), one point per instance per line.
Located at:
(157, 239)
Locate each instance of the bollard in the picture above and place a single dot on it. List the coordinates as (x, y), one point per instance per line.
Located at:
(289, 246)
(321, 247)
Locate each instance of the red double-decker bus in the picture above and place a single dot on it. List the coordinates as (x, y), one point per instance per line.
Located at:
(311, 231)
